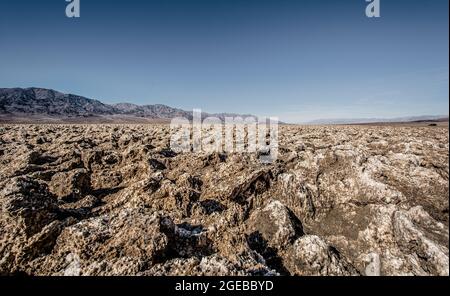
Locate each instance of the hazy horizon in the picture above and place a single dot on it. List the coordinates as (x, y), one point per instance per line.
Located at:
(297, 60)
(311, 121)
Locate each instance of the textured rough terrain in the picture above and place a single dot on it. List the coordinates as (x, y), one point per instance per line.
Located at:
(115, 200)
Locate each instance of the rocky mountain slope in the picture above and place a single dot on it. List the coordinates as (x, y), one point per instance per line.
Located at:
(46, 105)
(49, 102)
(115, 200)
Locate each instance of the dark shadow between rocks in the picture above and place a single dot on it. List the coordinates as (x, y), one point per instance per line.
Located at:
(167, 152)
(185, 241)
(257, 243)
(211, 206)
(103, 192)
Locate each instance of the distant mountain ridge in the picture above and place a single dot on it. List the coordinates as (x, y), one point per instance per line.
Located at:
(47, 101)
(23, 104)
(379, 120)
(40, 105)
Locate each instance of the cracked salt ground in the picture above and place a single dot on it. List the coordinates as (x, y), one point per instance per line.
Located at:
(115, 200)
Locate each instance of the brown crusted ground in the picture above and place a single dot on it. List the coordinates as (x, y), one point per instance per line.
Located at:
(115, 200)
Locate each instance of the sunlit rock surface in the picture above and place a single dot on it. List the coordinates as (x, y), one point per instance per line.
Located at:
(116, 200)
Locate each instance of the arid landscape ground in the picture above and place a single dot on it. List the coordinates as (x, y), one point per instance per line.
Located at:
(116, 200)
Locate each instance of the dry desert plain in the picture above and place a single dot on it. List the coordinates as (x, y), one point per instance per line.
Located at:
(116, 200)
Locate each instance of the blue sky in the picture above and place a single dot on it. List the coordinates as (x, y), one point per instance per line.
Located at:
(298, 60)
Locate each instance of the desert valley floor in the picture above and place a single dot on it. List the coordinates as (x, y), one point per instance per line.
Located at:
(115, 200)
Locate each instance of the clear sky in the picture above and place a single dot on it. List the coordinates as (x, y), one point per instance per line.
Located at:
(298, 60)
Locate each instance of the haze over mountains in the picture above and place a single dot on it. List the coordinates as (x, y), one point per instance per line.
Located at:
(47, 105)
(424, 118)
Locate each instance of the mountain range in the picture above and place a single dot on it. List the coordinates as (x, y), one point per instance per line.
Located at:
(424, 118)
(40, 105)
(47, 105)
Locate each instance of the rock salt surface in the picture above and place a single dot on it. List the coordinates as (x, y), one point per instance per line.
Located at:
(115, 200)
